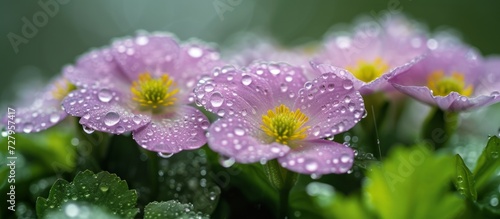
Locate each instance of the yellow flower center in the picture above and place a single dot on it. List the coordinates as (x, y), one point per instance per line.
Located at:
(62, 88)
(442, 85)
(368, 71)
(154, 92)
(284, 125)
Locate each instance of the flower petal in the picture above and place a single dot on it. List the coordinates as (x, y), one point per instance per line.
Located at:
(156, 54)
(331, 103)
(95, 67)
(41, 115)
(233, 91)
(239, 138)
(318, 157)
(171, 133)
(196, 59)
(105, 110)
(284, 80)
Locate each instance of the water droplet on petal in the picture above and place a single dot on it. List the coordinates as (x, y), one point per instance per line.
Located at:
(105, 95)
(120, 129)
(165, 155)
(316, 130)
(495, 93)
(312, 166)
(142, 40)
(111, 118)
(239, 131)
(216, 99)
(209, 87)
(246, 80)
(347, 84)
(88, 130)
(136, 119)
(28, 127)
(226, 162)
(54, 118)
(345, 158)
(195, 52)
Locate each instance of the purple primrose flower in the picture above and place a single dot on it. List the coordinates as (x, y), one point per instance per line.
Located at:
(374, 52)
(45, 110)
(452, 77)
(143, 85)
(271, 111)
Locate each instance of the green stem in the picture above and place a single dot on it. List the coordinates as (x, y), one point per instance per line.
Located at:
(283, 181)
(439, 126)
(153, 171)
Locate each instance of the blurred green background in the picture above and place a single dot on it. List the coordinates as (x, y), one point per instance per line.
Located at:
(78, 26)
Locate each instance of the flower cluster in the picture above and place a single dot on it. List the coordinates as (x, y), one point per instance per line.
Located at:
(272, 103)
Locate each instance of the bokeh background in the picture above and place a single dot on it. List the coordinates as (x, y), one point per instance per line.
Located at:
(78, 26)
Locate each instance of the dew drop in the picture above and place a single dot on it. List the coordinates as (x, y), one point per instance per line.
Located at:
(460, 179)
(494, 201)
(495, 93)
(344, 158)
(316, 130)
(54, 118)
(494, 154)
(239, 131)
(71, 210)
(111, 118)
(142, 40)
(226, 162)
(347, 84)
(195, 52)
(312, 166)
(246, 80)
(165, 155)
(104, 188)
(221, 113)
(136, 119)
(88, 130)
(216, 99)
(28, 127)
(209, 87)
(120, 129)
(308, 85)
(105, 95)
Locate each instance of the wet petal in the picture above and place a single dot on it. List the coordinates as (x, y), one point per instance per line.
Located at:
(105, 110)
(318, 157)
(196, 60)
(234, 92)
(331, 103)
(96, 67)
(156, 54)
(284, 80)
(239, 138)
(174, 132)
(41, 115)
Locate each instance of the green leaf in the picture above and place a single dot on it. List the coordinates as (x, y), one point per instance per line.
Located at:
(103, 189)
(439, 126)
(336, 205)
(464, 180)
(490, 200)
(413, 183)
(488, 164)
(39, 154)
(171, 209)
